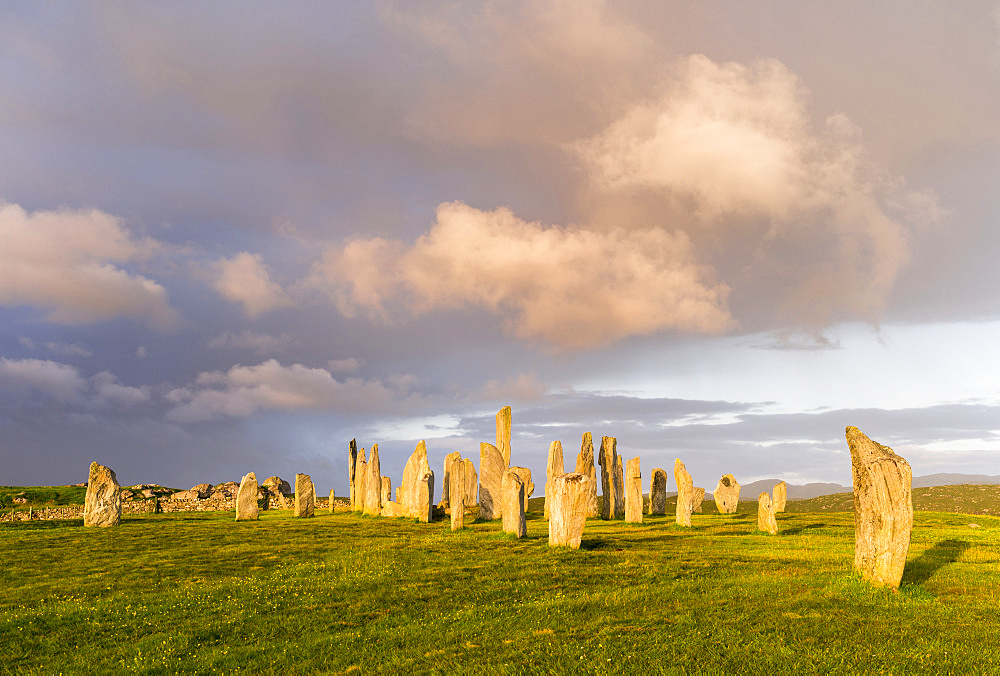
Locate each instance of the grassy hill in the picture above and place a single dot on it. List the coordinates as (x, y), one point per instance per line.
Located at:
(959, 499)
(343, 593)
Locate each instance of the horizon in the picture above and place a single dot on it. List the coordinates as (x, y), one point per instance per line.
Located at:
(232, 242)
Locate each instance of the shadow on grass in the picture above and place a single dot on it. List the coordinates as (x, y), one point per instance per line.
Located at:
(42, 524)
(924, 566)
(799, 529)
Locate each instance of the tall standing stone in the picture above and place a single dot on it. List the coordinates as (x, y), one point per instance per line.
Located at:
(780, 497)
(553, 469)
(765, 514)
(305, 496)
(513, 504)
(449, 463)
(697, 497)
(658, 492)
(103, 501)
(373, 483)
(619, 487)
(524, 474)
(491, 471)
(457, 493)
(424, 498)
(609, 481)
(569, 509)
(633, 492)
(246, 499)
(585, 466)
(332, 501)
(727, 494)
(883, 509)
(386, 492)
(352, 466)
(471, 483)
(684, 487)
(410, 490)
(503, 434)
(360, 474)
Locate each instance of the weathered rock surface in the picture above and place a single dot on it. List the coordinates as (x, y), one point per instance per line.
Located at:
(449, 464)
(424, 498)
(503, 434)
(658, 492)
(491, 471)
(392, 509)
(332, 501)
(352, 466)
(619, 487)
(203, 490)
(697, 497)
(780, 493)
(103, 501)
(727, 494)
(609, 480)
(414, 471)
(246, 499)
(633, 492)
(553, 469)
(457, 491)
(569, 509)
(585, 466)
(305, 496)
(277, 485)
(471, 483)
(386, 491)
(684, 489)
(373, 483)
(883, 509)
(513, 504)
(765, 514)
(185, 495)
(360, 475)
(524, 474)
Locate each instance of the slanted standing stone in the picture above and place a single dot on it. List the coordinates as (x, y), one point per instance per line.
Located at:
(491, 471)
(765, 514)
(352, 466)
(633, 492)
(585, 466)
(553, 469)
(883, 509)
(513, 504)
(471, 483)
(103, 502)
(658, 492)
(524, 474)
(503, 434)
(410, 490)
(684, 488)
(373, 483)
(609, 481)
(332, 501)
(569, 509)
(697, 497)
(727, 494)
(457, 493)
(386, 492)
(246, 499)
(305, 496)
(780, 497)
(449, 467)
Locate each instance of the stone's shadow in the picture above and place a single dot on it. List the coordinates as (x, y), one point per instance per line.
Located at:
(799, 529)
(924, 566)
(594, 544)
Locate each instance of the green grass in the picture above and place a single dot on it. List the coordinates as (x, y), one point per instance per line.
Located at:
(41, 496)
(339, 593)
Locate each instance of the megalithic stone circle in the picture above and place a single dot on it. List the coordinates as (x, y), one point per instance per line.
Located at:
(352, 466)
(471, 483)
(491, 471)
(609, 482)
(780, 493)
(457, 492)
(569, 509)
(633, 491)
(503, 434)
(585, 466)
(553, 469)
(246, 499)
(765, 514)
(697, 497)
(373, 483)
(305, 496)
(727, 494)
(513, 504)
(684, 488)
(658, 492)
(103, 500)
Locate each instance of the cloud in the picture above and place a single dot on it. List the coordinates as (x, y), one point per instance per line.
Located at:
(260, 343)
(349, 365)
(62, 382)
(64, 262)
(244, 390)
(733, 150)
(68, 349)
(110, 391)
(245, 279)
(517, 388)
(572, 288)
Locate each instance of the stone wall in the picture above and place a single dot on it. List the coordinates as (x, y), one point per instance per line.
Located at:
(160, 505)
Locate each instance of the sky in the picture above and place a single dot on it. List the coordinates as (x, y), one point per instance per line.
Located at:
(233, 238)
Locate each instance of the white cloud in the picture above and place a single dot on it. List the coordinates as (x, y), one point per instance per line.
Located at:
(243, 390)
(516, 388)
(111, 392)
(65, 263)
(245, 279)
(573, 288)
(62, 382)
(260, 343)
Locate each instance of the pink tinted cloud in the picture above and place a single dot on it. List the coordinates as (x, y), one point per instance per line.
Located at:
(246, 280)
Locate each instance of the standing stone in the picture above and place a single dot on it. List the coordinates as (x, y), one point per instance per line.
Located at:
(457, 491)
(697, 497)
(246, 499)
(360, 474)
(305, 496)
(727, 494)
(503, 434)
(633, 492)
(332, 501)
(373, 483)
(658, 492)
(386, 492)
(569, 510)
(552, 470)
(780, 497)
(424, 498)
(471, 483)
(491, 471)
(883, 509)
(524, 474)
(765, 514)
(620, 488)
(103, 502)
(513, 504)
(609, 482)
(449, 463)
(410, 495)
(585, 466)
(684, 488)
(352, 466)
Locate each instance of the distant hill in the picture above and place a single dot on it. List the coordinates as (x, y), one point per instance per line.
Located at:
(751, 490)
(960, 498)
(955, 480)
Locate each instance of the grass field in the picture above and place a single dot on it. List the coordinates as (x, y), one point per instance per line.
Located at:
(345, 593)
